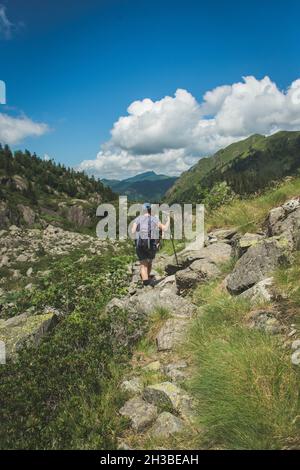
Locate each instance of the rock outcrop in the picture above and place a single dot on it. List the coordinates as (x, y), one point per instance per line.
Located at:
(256, 264)
(21, 330)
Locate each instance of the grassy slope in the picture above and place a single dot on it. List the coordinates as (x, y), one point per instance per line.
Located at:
(62, 394)
(245, 384)
(247, 166)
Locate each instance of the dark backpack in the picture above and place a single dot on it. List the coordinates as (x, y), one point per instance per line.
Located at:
(146, 244)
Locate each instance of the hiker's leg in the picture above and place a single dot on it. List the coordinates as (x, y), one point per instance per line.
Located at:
(144, 270)
(149, 267)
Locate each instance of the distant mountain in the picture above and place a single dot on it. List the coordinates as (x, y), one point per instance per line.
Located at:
(145, 186)
(246, 166)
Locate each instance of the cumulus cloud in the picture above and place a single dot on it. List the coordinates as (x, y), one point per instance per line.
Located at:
(15, 129)
(171, 134)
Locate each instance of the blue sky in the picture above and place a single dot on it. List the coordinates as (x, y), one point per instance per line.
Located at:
(76, 66)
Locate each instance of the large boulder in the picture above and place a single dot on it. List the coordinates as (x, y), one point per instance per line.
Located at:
(284, 221)
(256, 264)
(199, 271)
(146, 300)
(242, 243)
(21, 330)
(262, 291)
(217, 253)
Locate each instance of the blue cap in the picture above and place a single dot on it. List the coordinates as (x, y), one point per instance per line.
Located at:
(146, 205)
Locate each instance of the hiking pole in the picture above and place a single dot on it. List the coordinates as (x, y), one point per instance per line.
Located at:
(173, 246)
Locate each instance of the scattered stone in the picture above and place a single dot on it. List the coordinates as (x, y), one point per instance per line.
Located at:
(256, 264)
(152, 366)
(265, 321)
(166, 425)
(22, 258)
(292, 333)
(296, 344)
(296, 358)
(29, 272)
(4, 261)
(132, 386)
(164, 395)
(29, 286)
(171, 334)
(140, 413)
(176, 371)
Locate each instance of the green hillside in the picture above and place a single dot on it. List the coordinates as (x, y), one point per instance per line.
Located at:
(34, 192)
(246, 166)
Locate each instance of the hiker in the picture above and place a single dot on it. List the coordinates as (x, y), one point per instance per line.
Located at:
(146, 230)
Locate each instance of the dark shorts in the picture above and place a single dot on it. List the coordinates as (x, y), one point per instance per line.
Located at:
(145, 254)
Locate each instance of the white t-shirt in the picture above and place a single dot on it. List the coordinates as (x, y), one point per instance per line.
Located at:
(146, 224)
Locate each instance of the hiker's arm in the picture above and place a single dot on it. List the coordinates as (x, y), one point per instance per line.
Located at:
(165, 226)
(133, 228)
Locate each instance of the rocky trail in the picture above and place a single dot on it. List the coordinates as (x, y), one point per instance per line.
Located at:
(162, 409)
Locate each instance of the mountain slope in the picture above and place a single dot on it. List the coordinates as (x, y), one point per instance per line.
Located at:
(148, 185)
(246, 166)
(35, 192)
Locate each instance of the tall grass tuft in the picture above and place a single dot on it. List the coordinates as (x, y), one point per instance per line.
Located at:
(246, 388)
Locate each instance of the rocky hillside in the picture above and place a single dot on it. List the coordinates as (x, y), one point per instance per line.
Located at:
(35, 192)
(246, 167)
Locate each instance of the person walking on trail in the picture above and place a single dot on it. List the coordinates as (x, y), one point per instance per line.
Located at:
(146, 230)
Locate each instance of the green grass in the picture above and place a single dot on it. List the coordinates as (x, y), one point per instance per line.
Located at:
(249, 214)
(247, 391)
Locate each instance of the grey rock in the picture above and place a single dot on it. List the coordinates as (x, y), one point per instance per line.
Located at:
(262, 290)
(199, 271)
(140, 413)
(166, 425)
(296, 344)
(287, 226)
(21, 330)
(171, 334)
(256, 264)
(145, 301)
(176, 371)
(217, 253)
(27, 214)
(132, 386)
(154, 366)
(243, 243)
(295, 358)
(222, 234)
(164, 395)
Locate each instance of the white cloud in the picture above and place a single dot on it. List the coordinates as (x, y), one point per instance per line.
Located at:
(15, 129)
(6, 26)
(171, 134)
